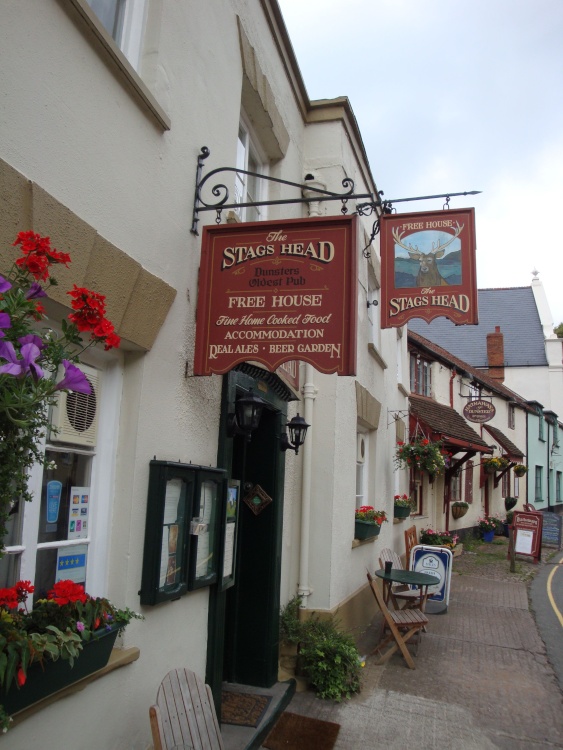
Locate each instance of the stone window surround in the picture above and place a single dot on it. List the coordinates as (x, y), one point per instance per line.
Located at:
(137, 301)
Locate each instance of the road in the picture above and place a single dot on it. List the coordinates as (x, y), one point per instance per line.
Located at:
(547, 603)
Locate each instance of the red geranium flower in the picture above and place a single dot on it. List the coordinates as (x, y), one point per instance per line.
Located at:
(21, 677)
(65, 592)
(9, 598)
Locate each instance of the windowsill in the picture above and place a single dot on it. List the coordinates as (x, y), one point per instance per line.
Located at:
(377, 356)
(120, 657)
(129, 76)
(361, 542)
(403, 390)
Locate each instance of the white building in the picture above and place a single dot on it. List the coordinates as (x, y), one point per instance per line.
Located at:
(98, 149)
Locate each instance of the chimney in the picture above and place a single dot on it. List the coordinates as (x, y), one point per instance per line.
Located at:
(495, 354)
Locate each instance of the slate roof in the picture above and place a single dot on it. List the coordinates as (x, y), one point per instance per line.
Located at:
(513, 309)
(445, 420)
(505, 443)
(463, 367)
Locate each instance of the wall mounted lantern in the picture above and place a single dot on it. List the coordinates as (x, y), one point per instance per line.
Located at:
(246, 418)
(297, 431)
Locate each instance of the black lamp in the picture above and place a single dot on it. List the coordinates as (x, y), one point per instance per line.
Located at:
(248, 410)
(297, 431)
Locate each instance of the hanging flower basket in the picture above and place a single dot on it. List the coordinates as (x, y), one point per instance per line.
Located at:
(459, 509)
(520, 470)
(421, 454)
(496, 463)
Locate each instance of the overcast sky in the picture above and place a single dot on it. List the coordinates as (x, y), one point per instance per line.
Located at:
(454, 95)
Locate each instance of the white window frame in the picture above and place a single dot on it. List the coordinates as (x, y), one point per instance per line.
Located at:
(132, 33)
(251, 158)
(362, 471)
(101, 487)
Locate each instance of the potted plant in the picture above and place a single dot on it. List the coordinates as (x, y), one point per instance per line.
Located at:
(459, 508)
(510, 502)
(487, 526)
(62, 639)
(367, 522)
(36, 363)
(520, 470)
(421, 454)
(494, 463)
(402, 507)
(438, 538)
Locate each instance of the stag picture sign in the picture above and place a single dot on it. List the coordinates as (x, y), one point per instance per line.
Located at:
(278, 291)
(428, 267)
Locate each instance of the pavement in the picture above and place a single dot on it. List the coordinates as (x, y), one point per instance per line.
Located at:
(483, 676)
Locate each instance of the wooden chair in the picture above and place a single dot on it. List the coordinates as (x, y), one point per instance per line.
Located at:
(410, 542)
(399, 591)
(184, 713)
(407, 621)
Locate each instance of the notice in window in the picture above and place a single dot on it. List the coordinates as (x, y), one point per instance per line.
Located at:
(79, 513)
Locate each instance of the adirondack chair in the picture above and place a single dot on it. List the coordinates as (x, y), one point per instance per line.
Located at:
(184, 714)
(407, 621)
(410, 597)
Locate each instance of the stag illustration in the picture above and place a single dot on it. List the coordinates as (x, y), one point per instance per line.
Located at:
(428, 273)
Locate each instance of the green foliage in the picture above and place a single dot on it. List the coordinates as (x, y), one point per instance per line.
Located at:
(328, 657)
(558, 330)
(330, 660)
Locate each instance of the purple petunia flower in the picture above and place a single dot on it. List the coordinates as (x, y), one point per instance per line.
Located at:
(5, 320)
(20, 367)
(74, 379)
(35, 291)
(32, 338)
(4, 285)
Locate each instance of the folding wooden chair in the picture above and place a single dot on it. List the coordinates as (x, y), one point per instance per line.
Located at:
(399, 591)
(410, 542)
(407, 621)
(184, 714)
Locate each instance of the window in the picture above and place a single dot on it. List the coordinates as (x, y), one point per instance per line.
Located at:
(420, 375)
(539, 484)
(416, 491)
(557, 486)
(516, 486)
(506, 484)
(541, 435)
(362, 492)
(455, 487)
(124, 20)
(247, 187)
(474, 391)
(62, 533)
(469, 482)
(511, 416)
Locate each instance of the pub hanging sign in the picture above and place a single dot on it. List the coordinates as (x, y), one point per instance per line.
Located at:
(272, 292)
(428, 267)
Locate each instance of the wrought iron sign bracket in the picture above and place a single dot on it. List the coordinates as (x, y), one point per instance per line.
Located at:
(221, 193)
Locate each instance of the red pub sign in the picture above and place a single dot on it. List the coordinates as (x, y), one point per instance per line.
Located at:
(271, 292)
(428, 267)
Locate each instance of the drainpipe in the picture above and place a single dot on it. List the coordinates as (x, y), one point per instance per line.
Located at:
(309, 394)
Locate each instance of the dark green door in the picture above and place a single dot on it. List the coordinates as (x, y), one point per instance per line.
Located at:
(244, 619)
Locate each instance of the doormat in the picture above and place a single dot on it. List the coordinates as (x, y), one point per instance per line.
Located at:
(294, 732)
(244, 709)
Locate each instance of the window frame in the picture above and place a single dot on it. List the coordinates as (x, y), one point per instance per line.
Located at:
(102, 476)
(250, 159)
(420, 374)
(538, 486)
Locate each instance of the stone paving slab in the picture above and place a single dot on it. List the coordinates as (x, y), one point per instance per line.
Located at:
(482, 681)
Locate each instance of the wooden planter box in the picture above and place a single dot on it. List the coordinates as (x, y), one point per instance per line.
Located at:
(53, 676)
